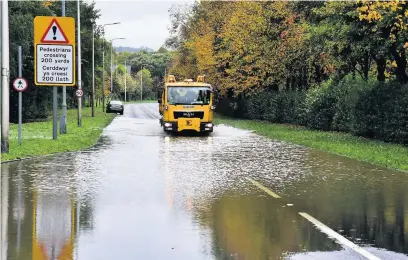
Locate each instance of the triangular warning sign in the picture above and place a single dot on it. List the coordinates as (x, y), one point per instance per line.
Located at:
(54, 34)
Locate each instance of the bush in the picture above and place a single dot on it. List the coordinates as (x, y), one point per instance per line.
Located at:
(223, 107)
(370, 109)
(261, 105)
(292, 107)
(277, 106)
(256, 106)
(347, 93)
(231, 106)
(320, 111)
(272, 114)
(332, 106)
(382, 113)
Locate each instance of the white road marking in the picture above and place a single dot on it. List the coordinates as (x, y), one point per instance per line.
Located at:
(342, 240)
(148, 112)
(323, 228)
(276, 196)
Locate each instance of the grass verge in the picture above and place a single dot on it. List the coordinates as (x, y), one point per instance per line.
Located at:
(376, 152)
(37, 137)
(140, 102)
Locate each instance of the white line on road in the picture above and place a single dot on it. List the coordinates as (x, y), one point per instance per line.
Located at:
(148, 112)
(342, 240)
(257, 184)
(323, 228)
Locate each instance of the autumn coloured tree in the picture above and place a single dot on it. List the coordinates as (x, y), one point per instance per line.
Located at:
(246, 46)
(242, 45)
(389, 21)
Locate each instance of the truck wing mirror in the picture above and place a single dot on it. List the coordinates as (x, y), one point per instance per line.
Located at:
(159, 101)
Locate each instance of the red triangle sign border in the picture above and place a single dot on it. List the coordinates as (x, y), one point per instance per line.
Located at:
(49, 28)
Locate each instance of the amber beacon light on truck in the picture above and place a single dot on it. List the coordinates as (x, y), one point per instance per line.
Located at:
(186, 105)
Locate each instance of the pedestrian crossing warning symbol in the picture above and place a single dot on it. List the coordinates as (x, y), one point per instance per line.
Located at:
(54, 34)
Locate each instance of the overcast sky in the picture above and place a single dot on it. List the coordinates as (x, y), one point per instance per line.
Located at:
(143, 23)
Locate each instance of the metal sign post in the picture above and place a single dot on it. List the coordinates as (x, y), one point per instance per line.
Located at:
(20, 84)
(54, 56)
(79, 64)
(63, 119)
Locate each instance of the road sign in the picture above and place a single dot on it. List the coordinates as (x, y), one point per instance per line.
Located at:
(20, 84)
(79, 93)
(54, 51)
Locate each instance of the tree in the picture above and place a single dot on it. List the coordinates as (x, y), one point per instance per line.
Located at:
(389, 21)
(249, 46)
(154, 62)
(146, 86)
(241, 45)
(37, 100)
(179, 19)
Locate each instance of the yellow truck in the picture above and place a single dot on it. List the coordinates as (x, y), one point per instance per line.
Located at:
(186, 105)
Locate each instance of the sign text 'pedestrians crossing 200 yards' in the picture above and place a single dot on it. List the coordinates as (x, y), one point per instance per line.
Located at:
(54, 40)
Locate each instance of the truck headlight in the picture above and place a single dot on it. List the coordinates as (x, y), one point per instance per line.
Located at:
(167, 125)
(209, 125)
(212, 107)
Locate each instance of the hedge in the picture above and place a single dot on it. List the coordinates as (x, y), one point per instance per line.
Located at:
(370, 109)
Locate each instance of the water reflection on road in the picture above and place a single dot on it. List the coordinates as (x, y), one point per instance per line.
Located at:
(140, 194)
(368, 205)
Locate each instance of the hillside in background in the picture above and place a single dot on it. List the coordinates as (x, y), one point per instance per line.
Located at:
(132, 49)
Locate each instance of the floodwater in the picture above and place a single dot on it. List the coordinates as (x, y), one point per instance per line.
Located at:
(142, 194)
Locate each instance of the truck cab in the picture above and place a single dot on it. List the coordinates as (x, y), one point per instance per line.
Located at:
(186, 105)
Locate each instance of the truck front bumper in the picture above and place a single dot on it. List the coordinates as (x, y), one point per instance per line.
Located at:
(176, 127)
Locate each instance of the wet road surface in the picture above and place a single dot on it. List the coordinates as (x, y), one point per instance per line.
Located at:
(142, 194)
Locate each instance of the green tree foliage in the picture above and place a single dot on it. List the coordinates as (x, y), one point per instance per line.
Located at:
(155, 65)
(144, 83)
(36, 99)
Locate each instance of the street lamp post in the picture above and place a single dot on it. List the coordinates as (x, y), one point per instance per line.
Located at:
(141, 84)
(93, 70)
(125, 79)
(103, 64)
(111, 41)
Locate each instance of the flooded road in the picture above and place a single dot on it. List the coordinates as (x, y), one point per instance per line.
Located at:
(142, 194)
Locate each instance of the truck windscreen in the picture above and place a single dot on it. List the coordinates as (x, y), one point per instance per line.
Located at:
(188, 95)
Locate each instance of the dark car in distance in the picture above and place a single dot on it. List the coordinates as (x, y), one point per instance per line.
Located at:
(115, 106)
